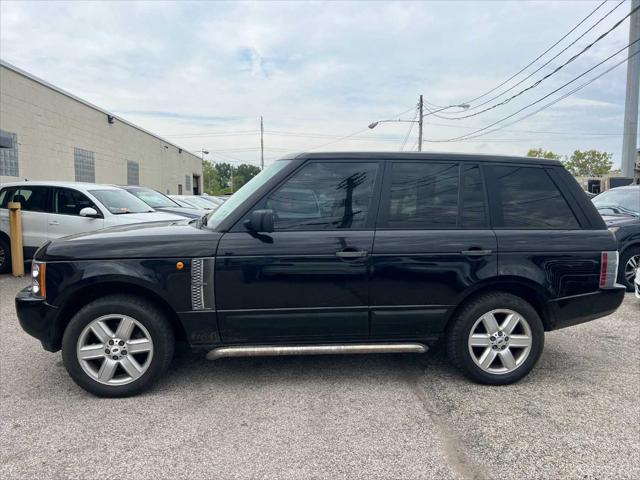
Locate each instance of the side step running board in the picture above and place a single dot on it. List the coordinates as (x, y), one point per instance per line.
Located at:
(270, 351)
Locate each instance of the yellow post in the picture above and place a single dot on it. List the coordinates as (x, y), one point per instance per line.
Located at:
(15, 232)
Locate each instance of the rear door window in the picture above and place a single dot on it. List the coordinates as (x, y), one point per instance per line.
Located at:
(526, 197)
(33, 198)
(422, 195)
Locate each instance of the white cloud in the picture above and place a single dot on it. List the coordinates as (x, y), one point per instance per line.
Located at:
(328, 68)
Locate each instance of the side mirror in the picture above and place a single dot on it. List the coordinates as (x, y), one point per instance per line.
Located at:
(89, 212)
(260, 221)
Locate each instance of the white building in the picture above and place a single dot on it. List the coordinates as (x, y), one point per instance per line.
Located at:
(50, 134)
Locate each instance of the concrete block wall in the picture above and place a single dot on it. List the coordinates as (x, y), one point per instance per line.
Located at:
(50, 124)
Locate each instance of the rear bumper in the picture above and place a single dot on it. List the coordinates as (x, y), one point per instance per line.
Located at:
(37, 318)
(577, 309)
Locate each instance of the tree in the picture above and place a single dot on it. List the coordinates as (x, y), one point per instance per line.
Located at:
(243, 174)
(225, 170)
(540, 153)
(590, 163)
(210, 178)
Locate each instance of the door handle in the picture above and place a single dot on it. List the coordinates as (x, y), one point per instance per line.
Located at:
(476, 252)
(352, 254)
(53, 222)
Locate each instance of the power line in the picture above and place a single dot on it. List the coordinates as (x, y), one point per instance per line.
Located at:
(404, 142)
(539, 56)
(477, 133)
(475, 107)
(556, 70)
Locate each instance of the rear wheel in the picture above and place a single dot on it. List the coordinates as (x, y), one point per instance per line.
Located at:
(5, 256)
(117, 346)
(496, 339)
(629, 263)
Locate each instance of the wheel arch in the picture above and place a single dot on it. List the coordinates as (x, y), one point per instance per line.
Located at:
(91, 292)
(526, 289)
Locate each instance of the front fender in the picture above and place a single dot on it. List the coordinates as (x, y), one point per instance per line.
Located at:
(67, 280)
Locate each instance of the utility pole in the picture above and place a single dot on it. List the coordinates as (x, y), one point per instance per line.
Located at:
(629, 139)
(420, 121)
(261, 144)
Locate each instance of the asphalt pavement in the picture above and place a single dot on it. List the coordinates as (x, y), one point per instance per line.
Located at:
(576, 416)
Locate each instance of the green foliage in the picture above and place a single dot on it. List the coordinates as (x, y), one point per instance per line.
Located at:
(540, 153)
(210, 178)
(590, 163)
(217, 177)
(243, 174)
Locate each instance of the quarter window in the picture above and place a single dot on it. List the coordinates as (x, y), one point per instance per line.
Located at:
(528, 198)
(325, 196)
(423, 195)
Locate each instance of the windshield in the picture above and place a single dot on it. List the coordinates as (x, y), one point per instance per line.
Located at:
(199, 202)
(619, 200)
(214, 219)
(153, 198)
(120, 202)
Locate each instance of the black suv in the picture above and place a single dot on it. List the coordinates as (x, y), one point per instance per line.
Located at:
(335, 253)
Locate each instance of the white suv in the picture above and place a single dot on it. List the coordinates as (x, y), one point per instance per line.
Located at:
(57, 209)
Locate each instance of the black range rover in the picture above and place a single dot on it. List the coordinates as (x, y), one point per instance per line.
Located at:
(335, 253)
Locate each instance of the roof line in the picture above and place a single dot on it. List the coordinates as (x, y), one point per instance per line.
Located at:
(59, 90)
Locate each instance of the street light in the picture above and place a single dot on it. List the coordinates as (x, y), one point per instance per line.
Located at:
(421, 116)
(203, 152)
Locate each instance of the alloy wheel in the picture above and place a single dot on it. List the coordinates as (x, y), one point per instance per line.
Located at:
(630, 268)
(114, 349)
(500, 341)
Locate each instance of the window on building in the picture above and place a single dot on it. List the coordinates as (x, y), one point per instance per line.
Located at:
(187, 182)
(133, 173)
(9, 156)
(325, 196)
(530, 199)
(85, 165)
(472, 209)
(423, 195)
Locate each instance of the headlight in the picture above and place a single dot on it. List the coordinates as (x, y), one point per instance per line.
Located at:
(38, 286)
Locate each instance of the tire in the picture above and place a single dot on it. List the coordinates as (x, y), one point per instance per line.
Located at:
(629, 260)
(132, 366)
(473, 317)
(5, 256)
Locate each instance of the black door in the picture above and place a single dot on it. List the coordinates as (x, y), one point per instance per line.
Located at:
(432, 243)
(308, 280)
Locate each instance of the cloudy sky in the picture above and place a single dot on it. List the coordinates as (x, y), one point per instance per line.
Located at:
(201, 73)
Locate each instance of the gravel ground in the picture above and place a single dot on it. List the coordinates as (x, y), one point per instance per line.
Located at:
(385, 416)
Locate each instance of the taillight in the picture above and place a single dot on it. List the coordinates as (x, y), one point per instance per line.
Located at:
(608, 269)
(38, 279)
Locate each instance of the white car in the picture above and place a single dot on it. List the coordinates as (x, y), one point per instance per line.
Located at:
(195, 201)
(636, 282)
(57, 209)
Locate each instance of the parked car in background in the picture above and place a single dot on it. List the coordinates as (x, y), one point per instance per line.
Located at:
(56, 209)
(336, 253)
(195, 201)
(163, 203)
(620, 209)
(214, 199)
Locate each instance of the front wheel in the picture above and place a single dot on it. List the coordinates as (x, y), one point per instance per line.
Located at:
(496, 339)
(117, 346)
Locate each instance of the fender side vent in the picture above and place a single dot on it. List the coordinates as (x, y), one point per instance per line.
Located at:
(202, 287)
